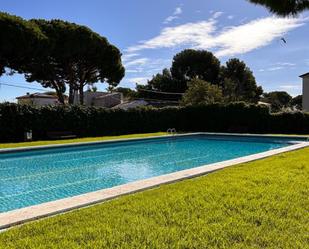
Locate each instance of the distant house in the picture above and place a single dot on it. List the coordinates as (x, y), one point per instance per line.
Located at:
(38, 99)
(142, 102)
(131, 104)
(100, 99)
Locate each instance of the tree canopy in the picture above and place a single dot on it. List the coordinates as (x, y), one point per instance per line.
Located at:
(186, 66)
(58, 54)
(297, 102)
(20, 42)
(235, 79)
(190, 64)
(201, 92)
(76, 56)
(277, 99)
(284, 7)
(238, 82)
(165, 82)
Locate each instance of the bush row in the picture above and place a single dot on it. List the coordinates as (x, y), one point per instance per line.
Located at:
(90, 121)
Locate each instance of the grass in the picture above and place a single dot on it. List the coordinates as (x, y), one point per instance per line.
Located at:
(77, 140)
(261, 204)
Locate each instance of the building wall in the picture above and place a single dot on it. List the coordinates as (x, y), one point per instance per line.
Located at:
(306, 93)
(38, 101)
(100, 99)
(110, 100)
(27, 101)
(88, 98)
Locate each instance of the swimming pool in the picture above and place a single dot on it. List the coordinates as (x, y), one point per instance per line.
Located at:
(37, 176)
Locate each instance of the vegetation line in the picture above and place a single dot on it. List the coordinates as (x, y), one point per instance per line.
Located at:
(78, 140)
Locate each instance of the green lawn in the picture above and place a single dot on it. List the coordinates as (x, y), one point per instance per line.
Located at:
(262, 204)
(78, 140)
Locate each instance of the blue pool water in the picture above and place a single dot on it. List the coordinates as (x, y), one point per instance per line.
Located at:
(32, 177)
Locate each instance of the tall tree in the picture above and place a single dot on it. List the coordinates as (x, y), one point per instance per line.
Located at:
(165, 82)
(277, 99)
(238, 82)
(20, 42)
(75, 56)
(284, 7)
(162, 82)
(187, 65)
(297, 102)
(201, 92)
(190, 64)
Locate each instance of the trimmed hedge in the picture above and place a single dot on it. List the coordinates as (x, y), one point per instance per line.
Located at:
(90, 121)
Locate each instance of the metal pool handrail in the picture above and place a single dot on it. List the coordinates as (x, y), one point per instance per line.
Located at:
(171, 131)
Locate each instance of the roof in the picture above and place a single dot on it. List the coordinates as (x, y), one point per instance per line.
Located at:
(107, 95)
(38, 96)
(304, 75)
(264, 103)
(131, 104)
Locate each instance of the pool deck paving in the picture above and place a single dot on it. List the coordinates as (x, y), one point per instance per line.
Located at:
(20, 216)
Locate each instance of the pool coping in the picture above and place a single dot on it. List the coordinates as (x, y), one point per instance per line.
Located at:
(31, 213)
(55, 146)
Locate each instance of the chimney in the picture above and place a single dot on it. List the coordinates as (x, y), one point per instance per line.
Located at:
(305, 78)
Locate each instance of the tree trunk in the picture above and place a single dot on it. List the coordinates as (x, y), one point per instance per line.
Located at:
(72, 84)
(81, 94)
(59, 93)
(71, 95)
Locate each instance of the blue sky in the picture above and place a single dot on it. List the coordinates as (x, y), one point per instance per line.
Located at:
(150, 33)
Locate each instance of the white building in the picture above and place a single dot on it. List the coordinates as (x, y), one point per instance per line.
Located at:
(131, 104)
(37, 99)
(305, 78)
(100, 99)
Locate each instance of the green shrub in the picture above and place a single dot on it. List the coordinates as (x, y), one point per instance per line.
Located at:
(90, 121)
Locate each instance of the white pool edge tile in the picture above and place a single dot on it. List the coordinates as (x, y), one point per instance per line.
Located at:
(20, 216)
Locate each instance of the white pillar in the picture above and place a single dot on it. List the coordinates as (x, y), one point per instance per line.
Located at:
(305, 78)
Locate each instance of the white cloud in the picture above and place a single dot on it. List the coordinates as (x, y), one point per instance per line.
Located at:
(134, 70)
(139, 80)
(270, 69)
(146, 66)
(285, 64)
(290, 87)
(230, 17)
(136, 62)
(217, 14)
(255, 34)
(278, 66)
(170, 19)
(185, 34)
(177, 12)
(274, 68)
(225, 42)
(127, 57)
